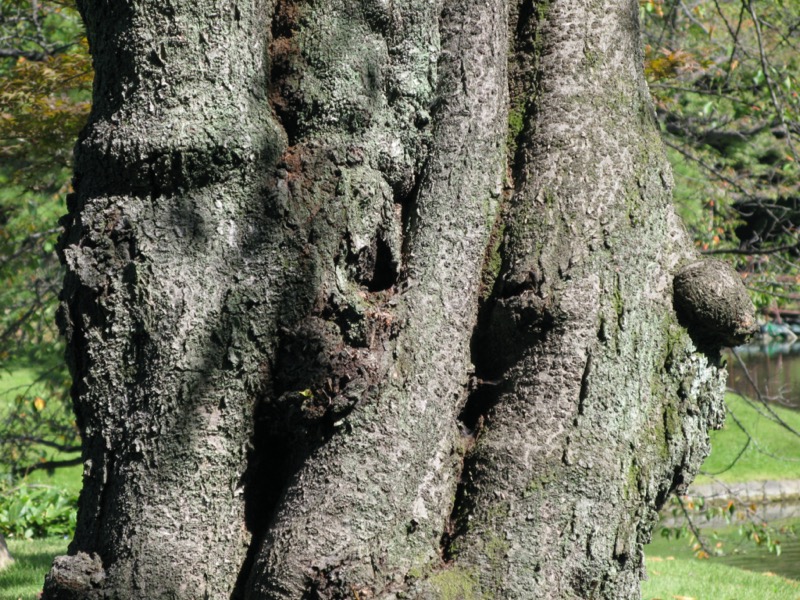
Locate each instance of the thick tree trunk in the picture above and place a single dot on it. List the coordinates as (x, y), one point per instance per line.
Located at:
(285, 226)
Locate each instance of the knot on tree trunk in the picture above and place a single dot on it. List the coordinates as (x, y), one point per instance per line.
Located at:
(75, 577)
(713, 304)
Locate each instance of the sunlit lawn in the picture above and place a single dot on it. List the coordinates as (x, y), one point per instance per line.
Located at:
(745, 571)
(23, 580)
(673, 578)
(762, 459)
(21, 380)
(673, 571)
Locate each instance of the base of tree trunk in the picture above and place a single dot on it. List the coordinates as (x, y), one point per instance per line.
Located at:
(5, 556)
(75, 577)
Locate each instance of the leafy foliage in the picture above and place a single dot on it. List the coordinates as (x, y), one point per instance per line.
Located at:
(723, 75)
(45, 104)
(45, 81)
(37, 433)
(724, 78)
(32, 512)
(741, 515)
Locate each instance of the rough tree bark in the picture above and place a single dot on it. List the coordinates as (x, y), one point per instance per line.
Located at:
(375, 300)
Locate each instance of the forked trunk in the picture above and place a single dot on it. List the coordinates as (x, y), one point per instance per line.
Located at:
(374, 300)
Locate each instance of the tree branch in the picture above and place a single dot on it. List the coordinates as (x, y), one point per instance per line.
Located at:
(693, 527)
(19, 53)
(706, 166)
(34, 56)
(748, 252)
(41, 442)
(735, 460)
(49, 465)
(768, 78)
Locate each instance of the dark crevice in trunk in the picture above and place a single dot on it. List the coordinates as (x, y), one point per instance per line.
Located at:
(374, 267)
(321, 373)
(523, 80)
(280, 446)
(108, 488)
(407, 202)
(487, 382)
(485, 394)
(284, 71)
(384, 274)
(584, 393)
(272, 461)
(471, 421)
(486, 388)
(459, 517)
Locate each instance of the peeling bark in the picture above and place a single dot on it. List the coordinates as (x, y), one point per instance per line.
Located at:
(371, 300)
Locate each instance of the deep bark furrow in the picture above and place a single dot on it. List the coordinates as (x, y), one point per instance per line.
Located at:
(377, 505)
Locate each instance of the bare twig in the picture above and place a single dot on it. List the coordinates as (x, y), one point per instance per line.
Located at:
(765, 68)
(749, 251)
(706, 166)
(693, 527)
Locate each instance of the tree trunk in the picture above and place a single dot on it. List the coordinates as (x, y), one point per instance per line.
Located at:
(374, 300)
(5, 556)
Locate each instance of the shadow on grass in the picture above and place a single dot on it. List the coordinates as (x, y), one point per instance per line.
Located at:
(25, 577)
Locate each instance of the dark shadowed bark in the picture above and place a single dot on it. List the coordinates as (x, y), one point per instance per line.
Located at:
(375, 300)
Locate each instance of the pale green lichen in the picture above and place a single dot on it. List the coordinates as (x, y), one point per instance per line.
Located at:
(456, 583)
(516, 122)
(494, 260)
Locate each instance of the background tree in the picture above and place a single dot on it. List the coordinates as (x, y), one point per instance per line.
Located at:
(724, 78)
(43, 104)
(44, 81)
(280, 233)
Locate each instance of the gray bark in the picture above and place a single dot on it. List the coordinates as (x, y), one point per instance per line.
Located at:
(5, 556)
(305, 366)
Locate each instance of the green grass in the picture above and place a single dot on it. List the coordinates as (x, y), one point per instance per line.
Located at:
(15, 381)
(673, 571)
(67, 478)
(775, 440)
(672, 577)
(747, 570)
(23, 580)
